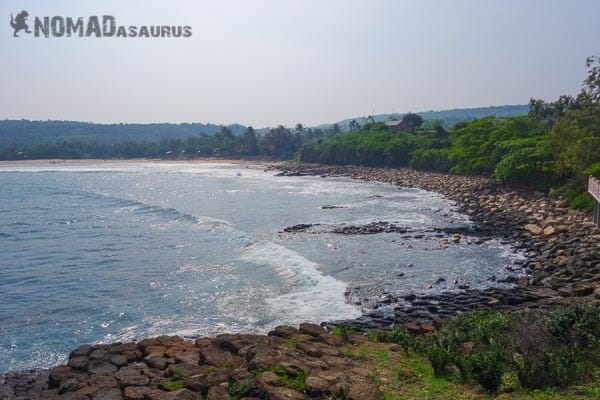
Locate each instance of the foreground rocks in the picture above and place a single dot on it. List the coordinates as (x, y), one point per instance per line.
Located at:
(562, 246)
(288, 363)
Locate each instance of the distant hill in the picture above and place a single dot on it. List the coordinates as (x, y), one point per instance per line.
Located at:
(24, 133)
(450, 117)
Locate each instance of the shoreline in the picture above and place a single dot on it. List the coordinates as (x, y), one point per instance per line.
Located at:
(562, 249)
(96, 161)
(561, 246)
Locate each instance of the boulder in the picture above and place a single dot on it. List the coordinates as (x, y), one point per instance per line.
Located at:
(533, 229)
(129, 376)
(284, 331)
(312, 329)
(101, 367)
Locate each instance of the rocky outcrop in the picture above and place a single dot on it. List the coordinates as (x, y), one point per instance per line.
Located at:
(288, 363)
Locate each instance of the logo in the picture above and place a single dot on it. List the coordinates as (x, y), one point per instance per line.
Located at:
(104, 26)
(20, 23)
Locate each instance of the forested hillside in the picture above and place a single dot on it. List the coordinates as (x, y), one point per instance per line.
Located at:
(25, 133)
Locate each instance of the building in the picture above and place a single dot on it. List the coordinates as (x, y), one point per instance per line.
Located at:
(396, 125)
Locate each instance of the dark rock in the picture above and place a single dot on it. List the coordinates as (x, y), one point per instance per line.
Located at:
(101, 367)
(285, 332)
(78, 362)
(312, 329)
(129, 376)
(110, 394)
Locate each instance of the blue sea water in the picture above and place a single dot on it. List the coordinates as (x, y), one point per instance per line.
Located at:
(116, 251)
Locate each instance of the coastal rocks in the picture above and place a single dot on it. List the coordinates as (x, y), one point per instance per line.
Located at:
(533, 229)
(299, 228)
(369, 229)
(306, 362)
(562, 246)
(24, 385)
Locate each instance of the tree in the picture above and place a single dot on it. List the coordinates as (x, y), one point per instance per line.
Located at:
(249, 142)
(354, 126)
(592, 82)
(300, 129)
(280, 142)
(412, 121)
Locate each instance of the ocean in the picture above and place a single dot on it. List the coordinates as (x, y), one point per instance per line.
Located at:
(101, 252)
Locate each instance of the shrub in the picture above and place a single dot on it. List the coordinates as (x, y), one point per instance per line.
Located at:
(431, 160)
(576, 325)
(403, 338)
(583, 201)
(244, 387)
(593, 170)
(557, 348)
(487, 366)
(486, 357)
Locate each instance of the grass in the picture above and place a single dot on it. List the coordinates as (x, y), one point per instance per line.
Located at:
(296, 380)
(342, 331)
(173, 384)
(176, 381)
(353, 353)
(404, 376)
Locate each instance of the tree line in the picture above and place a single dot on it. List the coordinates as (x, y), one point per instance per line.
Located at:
(557, 144)
(277, 143)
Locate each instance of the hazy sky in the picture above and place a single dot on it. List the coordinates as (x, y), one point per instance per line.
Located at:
(266, 62)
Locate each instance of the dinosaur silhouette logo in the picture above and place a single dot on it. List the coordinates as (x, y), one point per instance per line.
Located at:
(19, 23)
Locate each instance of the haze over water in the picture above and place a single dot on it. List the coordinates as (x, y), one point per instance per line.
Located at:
(105, 252)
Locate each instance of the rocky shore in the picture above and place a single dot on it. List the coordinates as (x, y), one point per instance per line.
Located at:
(287, 364)
(562, 246)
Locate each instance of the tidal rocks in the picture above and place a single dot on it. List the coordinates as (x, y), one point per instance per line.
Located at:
(562, 246)
(299, 228)
(206, 369)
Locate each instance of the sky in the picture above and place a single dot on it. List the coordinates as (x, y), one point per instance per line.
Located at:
(270, 62)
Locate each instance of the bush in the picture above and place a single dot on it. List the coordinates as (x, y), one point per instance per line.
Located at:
(582, 201)
(543, 349)
(477, 343)
(577, 325)
(403, 338)
(244, 387)
(431, 160)
(575, 195)
(550, 352)
(593, 170)
(487, 366)
(557, 348)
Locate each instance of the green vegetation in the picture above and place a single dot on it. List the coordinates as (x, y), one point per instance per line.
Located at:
(292, 378)
(101, 142)
(526, 351)
(556, 145)
(244, 387)
(359, 354)
(176, 381)
(295, 379)
(342, 331)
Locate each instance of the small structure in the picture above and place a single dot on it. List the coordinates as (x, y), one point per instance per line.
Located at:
(594, 190)
(396, 125)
